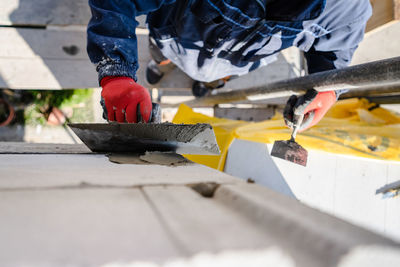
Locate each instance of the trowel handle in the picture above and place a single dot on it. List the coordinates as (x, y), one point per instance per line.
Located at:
(155, 116)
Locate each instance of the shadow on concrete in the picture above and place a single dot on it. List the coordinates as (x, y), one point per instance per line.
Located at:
(251, 161)
(62, 52)
(45, 12)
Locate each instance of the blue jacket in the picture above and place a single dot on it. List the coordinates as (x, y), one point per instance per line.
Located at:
(211, 39)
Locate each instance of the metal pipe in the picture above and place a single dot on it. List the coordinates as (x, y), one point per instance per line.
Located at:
(373, 91)
(376, 73)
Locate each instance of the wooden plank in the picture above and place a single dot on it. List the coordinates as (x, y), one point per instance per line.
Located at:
(80, 227)
(44, 12)
(45, 59)
(37, 73)
(56, 58)
(42, 59)
(46, 171)
(56, 43)
(48, 12)
(383, 11)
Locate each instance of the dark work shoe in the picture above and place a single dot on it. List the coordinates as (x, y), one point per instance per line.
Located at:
(153, 73)
(199, 89)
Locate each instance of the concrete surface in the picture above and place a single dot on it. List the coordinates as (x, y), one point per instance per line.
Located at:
(80, 227)
(27, 171)
(343, 186)
(82, 210)
(380, 43)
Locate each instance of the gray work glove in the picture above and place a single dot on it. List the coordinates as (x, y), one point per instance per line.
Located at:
(312, 104)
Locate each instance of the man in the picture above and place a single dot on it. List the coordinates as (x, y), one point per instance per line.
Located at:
(214, 39)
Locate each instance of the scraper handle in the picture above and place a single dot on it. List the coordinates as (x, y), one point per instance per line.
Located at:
(298, 119)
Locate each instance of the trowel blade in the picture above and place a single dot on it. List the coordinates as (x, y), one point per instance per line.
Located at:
(196, 139)
(290, 151)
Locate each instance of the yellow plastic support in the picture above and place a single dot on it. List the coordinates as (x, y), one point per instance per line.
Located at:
(352, 127)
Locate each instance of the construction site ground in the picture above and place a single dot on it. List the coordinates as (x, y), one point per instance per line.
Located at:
(63, 205)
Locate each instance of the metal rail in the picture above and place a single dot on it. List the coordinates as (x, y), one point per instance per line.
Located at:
(371, 91)
(378, 73)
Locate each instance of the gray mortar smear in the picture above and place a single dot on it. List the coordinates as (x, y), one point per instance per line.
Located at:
(159, 158)
(165, 158)
(198, 139)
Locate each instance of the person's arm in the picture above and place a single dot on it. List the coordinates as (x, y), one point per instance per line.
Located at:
(111, 37)
(112, 47)
(333, 50)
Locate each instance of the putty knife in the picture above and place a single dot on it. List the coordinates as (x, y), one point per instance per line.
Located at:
(290, 150)
(197, 139)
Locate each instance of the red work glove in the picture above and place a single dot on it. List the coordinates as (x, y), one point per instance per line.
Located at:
(313, 105)
(121, 96)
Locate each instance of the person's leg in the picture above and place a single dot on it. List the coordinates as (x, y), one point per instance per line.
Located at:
(159, 65)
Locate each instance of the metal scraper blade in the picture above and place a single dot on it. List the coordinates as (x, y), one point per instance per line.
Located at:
(195, 139)
(290, 151)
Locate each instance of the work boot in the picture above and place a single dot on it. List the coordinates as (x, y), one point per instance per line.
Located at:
(159, 65)
(155, 71)
(200, 89)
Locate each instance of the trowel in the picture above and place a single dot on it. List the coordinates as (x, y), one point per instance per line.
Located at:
(195, 139)
(290, 150)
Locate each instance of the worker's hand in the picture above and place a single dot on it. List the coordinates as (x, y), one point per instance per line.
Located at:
(313, 105)
(122, 95)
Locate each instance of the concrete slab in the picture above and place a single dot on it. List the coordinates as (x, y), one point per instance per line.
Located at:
(90, 227)
(82, 210)
(356, 182)
(240, 213)
(44, 171)
(340, 185)
(265, 173)
(197, 223)
(392, 219)
(317, 231)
